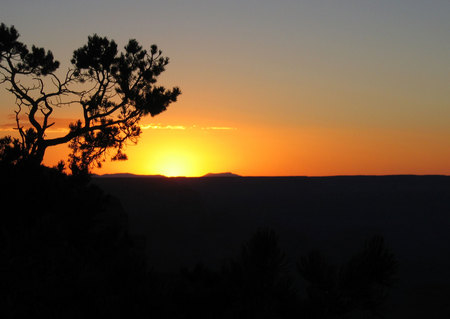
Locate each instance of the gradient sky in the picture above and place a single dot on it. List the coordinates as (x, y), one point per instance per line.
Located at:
(317, 87)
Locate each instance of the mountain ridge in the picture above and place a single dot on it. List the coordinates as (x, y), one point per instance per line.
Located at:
(225, 174)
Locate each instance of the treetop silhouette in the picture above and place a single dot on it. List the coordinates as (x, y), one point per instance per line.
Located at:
(112, 90)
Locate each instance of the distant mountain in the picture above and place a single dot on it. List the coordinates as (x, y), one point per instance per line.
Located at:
(127, 175)
(227, 174)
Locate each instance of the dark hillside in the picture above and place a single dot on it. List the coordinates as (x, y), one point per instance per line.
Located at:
(187, 220)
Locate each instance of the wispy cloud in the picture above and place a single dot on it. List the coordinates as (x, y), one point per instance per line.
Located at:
(182, 127)
(162, 127)
(62, 125)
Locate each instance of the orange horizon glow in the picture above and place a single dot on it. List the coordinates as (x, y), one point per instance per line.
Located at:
(279, 151)
(176, 144)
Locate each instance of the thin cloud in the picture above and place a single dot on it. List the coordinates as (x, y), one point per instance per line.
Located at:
(162, 127)
(182, 127)
(62, 125)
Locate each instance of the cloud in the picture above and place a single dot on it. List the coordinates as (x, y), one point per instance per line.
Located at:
(62, 125)
(182, 127)
(162, 127)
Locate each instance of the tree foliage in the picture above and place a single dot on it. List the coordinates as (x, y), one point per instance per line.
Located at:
(112, 89)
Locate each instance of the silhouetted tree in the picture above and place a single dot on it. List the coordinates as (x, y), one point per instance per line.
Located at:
(324, 298)
(258, 281)
(112, 90)
(253, 285)
(367, 276)
(360, 284)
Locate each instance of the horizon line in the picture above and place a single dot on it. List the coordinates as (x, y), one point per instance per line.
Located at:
(233, 175)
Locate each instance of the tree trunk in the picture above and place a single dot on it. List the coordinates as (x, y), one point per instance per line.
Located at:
(37, 156)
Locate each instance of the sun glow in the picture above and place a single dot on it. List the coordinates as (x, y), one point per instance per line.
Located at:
(172, 167)
(173, 163)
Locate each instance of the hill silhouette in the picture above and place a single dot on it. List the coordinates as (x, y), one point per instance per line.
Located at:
(227, 174)
(127, 175)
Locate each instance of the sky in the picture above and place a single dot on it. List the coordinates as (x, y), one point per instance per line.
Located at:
(271, 88)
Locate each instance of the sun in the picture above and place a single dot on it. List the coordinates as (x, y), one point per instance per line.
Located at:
(175, 156)
(173, 166)
(173, 163)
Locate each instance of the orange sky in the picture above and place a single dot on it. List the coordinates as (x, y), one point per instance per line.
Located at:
(275, 88)
(195, 150)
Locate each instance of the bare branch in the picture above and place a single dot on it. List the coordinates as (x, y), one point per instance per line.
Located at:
(19, 127)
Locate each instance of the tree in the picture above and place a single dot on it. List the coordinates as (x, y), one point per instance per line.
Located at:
(360, 284)
(258, 282)
(112, 90)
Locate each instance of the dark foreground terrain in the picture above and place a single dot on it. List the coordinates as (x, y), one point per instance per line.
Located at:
(185, 221)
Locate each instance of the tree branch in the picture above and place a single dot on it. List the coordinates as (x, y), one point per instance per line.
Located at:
(86, 129)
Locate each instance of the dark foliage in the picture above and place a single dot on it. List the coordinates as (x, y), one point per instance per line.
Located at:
(254, 285)
(65, 251)
(10, 150)
(259, 280)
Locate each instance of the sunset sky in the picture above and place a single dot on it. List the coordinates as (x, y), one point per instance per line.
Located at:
(286, 87)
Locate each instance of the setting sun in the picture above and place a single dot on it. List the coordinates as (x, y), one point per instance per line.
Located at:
(172, 165)
(172, 162)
